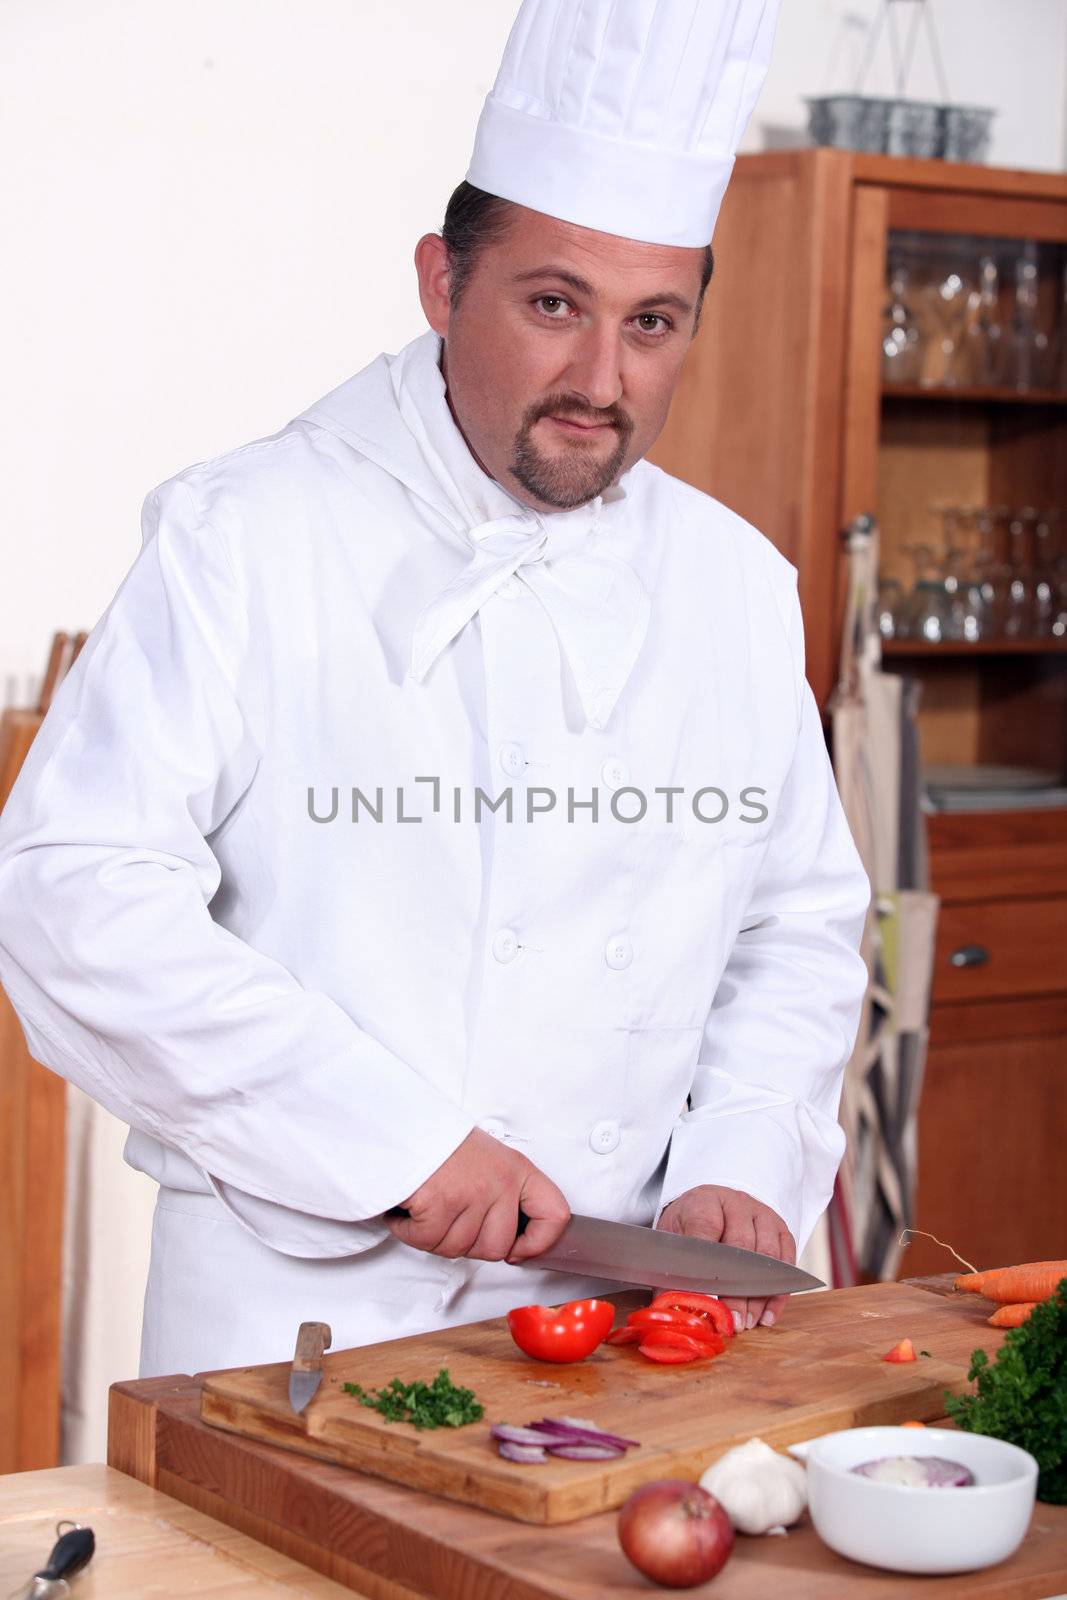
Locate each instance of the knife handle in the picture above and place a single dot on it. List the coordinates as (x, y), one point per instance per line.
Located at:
(312, 1341)
(401, 1211)
(70, 1553)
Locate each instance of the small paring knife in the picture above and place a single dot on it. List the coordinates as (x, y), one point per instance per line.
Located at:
(312, 1342)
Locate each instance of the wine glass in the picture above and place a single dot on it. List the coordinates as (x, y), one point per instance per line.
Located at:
(890, 607)
(1029, 345)
(982, 352)
(927, 611)
(1019, 617)
(901, 338)
(948, 306)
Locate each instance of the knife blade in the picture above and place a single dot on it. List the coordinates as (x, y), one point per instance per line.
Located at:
(594, 1248)
(312, 1341)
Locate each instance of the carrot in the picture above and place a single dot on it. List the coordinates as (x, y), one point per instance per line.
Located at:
(1034, 1280)
(1012, 1316)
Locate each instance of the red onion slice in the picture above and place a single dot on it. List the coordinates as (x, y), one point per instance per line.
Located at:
(585, 1452)
(577, 1435)
(528, 1453)
(505, 1431)
(917, 1472)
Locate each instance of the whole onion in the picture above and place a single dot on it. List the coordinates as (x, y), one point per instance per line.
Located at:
(675, 1533)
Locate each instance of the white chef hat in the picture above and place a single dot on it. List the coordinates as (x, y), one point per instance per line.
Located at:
(624, 115)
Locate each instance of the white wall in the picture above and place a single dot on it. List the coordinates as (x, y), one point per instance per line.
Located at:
(210, 209)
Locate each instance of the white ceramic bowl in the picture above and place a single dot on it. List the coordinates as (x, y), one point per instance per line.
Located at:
(919, 1530)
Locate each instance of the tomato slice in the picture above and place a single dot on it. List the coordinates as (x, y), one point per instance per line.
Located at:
(667, 1357)
(674, 1339)
(624, 1336)
(696, 1327)
(561, 1333)
(904, 1351)
(704, 1305)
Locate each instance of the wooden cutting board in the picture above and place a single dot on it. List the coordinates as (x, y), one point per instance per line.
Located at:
(820, 1369)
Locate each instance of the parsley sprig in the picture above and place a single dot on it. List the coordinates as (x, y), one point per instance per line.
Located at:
(440, 1404)
(1022, 1395)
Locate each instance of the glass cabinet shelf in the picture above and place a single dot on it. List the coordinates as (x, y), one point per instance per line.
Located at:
(920, 391)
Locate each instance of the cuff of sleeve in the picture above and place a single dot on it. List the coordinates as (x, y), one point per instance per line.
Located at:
(296, 1233)
(783, 1154)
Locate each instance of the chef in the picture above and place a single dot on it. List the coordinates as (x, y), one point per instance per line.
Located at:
(438, 818)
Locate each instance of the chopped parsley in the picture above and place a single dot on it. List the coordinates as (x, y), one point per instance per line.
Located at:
(1022, 1395)
(440, 1404)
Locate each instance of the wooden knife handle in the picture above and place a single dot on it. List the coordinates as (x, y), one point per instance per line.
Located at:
(312, 1341)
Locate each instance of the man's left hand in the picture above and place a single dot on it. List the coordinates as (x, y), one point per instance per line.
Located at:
(730, 1217)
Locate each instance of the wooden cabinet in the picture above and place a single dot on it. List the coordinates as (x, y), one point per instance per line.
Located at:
(784, 413)
(992, 1174)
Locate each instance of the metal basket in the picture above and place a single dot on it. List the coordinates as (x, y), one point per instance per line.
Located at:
(849, 121)
(966, 132)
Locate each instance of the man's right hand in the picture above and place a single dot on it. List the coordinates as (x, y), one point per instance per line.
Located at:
(470, 1206)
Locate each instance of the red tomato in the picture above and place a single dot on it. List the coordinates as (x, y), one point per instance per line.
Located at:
(704, 1305)
(904, 1351)
(561, 1333)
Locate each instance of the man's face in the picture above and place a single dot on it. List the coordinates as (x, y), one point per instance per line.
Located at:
(562, 354)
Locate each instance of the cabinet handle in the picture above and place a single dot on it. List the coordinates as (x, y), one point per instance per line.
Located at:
(969, 955)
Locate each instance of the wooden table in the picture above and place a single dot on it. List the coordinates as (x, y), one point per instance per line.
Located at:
(391, 1543)
(147, 1545)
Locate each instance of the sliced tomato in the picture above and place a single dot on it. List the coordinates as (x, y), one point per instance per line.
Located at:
(904, 1351)
(561, 1333)
(704, 1305)
(624, 1336)
(696, 1327)
(667, 1356)
(674, 1339)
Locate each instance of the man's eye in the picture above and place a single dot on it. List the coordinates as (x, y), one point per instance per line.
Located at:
(653, 322)
(551, 305)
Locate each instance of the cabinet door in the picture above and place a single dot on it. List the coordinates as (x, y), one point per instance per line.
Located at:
(992, 1173)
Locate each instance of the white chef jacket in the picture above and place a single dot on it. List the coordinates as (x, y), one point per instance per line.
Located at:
(301, 1010)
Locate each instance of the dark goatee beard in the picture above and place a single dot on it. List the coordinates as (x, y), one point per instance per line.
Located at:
(574, 476)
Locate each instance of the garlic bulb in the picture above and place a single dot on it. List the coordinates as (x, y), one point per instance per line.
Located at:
(757, 1488)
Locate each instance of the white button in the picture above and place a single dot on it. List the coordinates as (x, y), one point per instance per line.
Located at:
(618, 952)
(615, 772)
(494, 1126)
(604, 1137)
(512, 759)
(510, 588)
(505, 945)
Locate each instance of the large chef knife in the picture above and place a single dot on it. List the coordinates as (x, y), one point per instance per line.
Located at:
(648, 1258)
(313, 1340)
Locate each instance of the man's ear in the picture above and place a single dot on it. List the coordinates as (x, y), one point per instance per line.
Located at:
(431, 264)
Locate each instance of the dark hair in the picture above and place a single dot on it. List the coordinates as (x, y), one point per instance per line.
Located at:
(474, 219)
